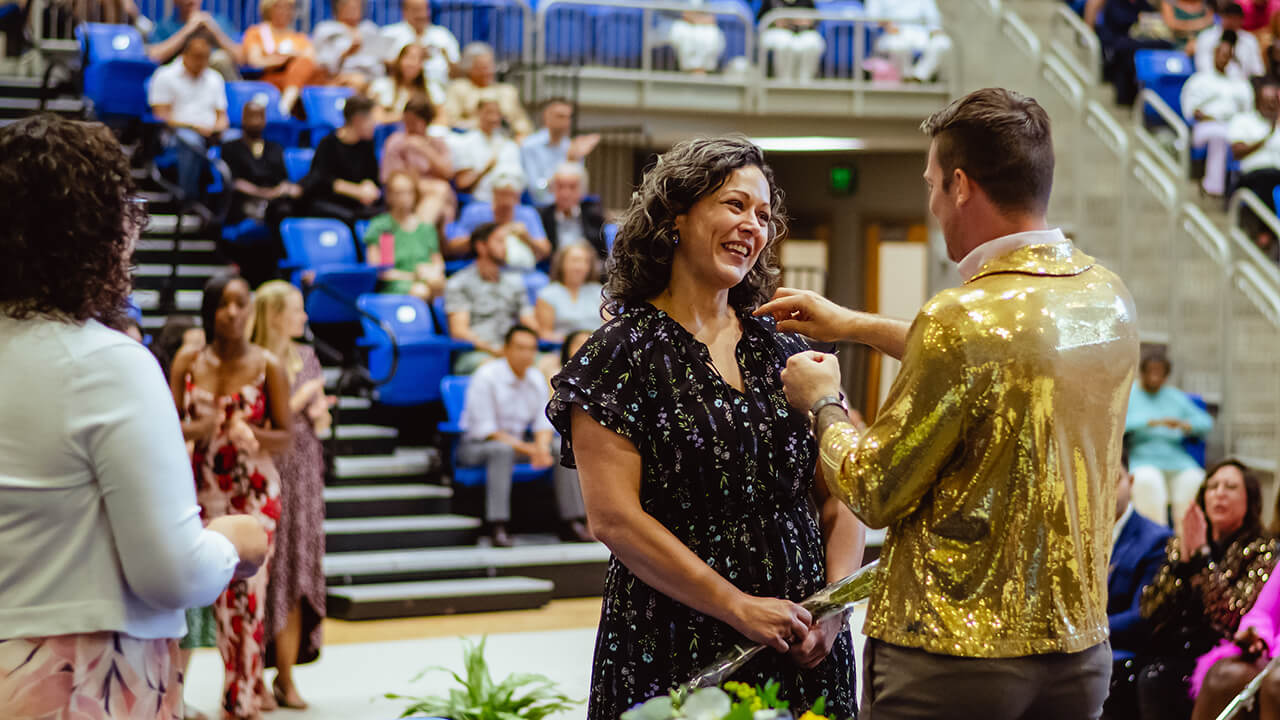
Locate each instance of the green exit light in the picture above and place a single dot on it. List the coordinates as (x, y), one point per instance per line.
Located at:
(842, 180)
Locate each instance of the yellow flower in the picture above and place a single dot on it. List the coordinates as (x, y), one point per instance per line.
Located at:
(810, 716)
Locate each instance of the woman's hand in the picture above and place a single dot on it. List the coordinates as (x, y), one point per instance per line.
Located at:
(241, 435)
(1250, 643)
(771, 621)
(817, 643)
(206, 416)
(1195, 531)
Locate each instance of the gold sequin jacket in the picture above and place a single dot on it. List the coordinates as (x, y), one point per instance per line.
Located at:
(993, 460)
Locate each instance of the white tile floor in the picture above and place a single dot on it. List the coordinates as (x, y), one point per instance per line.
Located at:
(349, 681)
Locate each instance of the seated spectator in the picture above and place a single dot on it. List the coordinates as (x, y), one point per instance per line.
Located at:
(1137, 551)
(698, 41)
(1115, 21)
(571, 218)
(1212, 574)
(913, 27)
(572, 300)
(550, 364)
(261, 192)
(1255, 143)
(1246, 60)
(505, 422)
(1210, 99)
(1165, 476)
(1271, 63)
(401, 239)
(171, 33)
(544, 151)
(349, 47)
(343, 180)
(1258, 13)
(427, 157)
(1185, 20)
(191, 100)
(178, 332)
(479, 83)
(441, 46)
(284, 55)
(482, 154)
(483, 301)
(527, 245)
(404, 81)
(796, 45)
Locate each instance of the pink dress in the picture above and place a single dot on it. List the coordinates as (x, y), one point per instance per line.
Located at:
(232, 482)
(1264, 618)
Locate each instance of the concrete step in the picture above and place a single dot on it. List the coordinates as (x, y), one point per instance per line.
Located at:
(358, 501)
(405, 465)
(357, 439)
(577, 569)
(188, 301)
(17, 107)
(398, 532)
(152, 322)
(150, 276)
(355, 410)
(437, 597)
(161, 251)
(164, 225)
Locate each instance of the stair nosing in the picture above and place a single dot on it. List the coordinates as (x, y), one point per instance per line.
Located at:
(489, 587)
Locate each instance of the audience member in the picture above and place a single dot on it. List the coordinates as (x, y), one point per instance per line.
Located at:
(1255, 143)
(505, 420)
(478, 84)
(415, 149)
(1115, 21)
(1214, 569)
(296, 591)
(178, 332)
(170, 36)
(1185, 20)
(1246, 60)
(481, 154)
(1210, 99)
(191, 100)
(1271, 62)
(796, 45)
(549, 364)
(572, 300)
(349, 47)
(101, 546)
(1160, 418)
(914, 28)
(698, 41)
(441, 46)
(232, 398)
(261, 192)
(483, 301)
(1137, 552)
(571, 217)
(124, 323)
(285, 56)
(527, 244)
(401, 239)
(545, 150)
(343, 180)
(1258, 13)
(404, 81)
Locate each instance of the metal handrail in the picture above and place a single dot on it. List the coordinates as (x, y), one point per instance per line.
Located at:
(1207, 235)
(1147, 172)
(1084, 37)
(1180, 165)
(1016, 29)
(1245, 245)
(1259, 289)
(1112, 134)
(1060, 76)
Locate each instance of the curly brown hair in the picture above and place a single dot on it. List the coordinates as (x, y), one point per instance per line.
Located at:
(639, 266)
(66, 196)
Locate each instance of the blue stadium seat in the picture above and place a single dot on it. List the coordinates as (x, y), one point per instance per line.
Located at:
(842, 37)
(281, 128)
(297, 162)
(569, 35)
(497, 22)
(380, 135)
(362, 229)
(423, 353)
(1195, 446)
(610, 234)
(1163, 71)
(115, 71)
(324, 109)
(735, 31)
(453, 388)
(324, 247)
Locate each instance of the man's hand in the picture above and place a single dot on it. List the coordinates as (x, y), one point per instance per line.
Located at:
(808, 313)
(581, 146)
(810, 376)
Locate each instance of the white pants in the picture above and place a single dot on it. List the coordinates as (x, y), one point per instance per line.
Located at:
(698, 46)
(1157, 492)
(901, 47)
(796, 55)
(1213, 134)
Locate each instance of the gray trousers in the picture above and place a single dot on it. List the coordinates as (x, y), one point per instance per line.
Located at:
(907, 684)
(499, 460)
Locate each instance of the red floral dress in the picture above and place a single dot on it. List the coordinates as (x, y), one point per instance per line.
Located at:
(230, 481)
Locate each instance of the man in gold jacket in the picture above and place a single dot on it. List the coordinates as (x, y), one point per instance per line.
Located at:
(993, 460)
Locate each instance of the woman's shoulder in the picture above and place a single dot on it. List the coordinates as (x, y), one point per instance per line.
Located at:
(766, 327)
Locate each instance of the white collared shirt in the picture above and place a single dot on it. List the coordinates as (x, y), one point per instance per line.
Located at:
(498, 401)
(1247, 60)
(1119, 528)
(1220, 96)
(192, 100)
(1001, 246)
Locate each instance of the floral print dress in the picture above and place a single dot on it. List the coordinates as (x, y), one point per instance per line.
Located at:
(730, 474)
(230, 481)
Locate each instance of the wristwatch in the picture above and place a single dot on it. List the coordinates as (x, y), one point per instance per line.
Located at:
(824, 401)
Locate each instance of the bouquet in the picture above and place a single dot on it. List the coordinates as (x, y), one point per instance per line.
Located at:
(736, 701)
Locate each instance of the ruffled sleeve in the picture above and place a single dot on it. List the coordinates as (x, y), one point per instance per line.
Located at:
(602, 380)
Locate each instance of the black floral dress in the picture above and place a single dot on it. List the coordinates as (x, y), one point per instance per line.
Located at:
(730, 474)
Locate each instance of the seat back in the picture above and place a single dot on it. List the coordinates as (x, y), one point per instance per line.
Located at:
(610, 235)
(535, 280)
(1165, 72)
(297, 162)
(324, 107)
(453, 390)
(408, 317)
(102, 42)
(1195, 446)
(240, 93)
(312, 242)
(116, 69)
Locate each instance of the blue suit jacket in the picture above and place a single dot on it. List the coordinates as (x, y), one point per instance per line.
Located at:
(1137, 556)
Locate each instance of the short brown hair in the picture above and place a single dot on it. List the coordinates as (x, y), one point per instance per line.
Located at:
(557, 262)
(1001, 140)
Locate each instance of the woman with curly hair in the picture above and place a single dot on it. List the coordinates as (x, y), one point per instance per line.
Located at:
(695, 471)
(100, 549)
(233, 397)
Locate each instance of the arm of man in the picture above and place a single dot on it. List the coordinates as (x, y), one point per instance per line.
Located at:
(165, 50)
(810, 314)
(460, 329)
(1127, 626)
